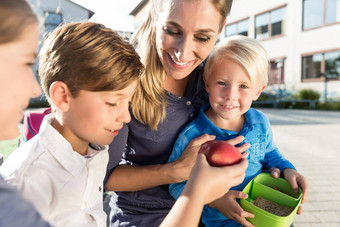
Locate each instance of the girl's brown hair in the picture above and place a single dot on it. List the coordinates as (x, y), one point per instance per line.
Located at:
(15, 16)
(88, 56)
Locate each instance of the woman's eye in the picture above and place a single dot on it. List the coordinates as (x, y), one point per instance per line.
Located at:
(170, 32)
(203, 39)
(111, 104)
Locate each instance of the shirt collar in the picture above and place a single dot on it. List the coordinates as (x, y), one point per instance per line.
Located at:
(61, 149)
(204, 125)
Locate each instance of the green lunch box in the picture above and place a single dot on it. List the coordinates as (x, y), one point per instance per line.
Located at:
(263, 185)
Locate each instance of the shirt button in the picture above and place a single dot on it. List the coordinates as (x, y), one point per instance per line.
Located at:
(179, 98)
(188, 103)
(192, 115)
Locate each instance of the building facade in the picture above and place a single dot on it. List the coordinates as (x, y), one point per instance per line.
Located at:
(55, 12)
(302, 38)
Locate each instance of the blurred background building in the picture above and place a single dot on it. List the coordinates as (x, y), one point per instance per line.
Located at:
(302, 38)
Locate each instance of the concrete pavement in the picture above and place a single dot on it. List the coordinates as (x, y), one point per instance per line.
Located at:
(311, 141)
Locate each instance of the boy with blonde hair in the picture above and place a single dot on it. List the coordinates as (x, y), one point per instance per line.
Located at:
(89, 74)
(235, 74)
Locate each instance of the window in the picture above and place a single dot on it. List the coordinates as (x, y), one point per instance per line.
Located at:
(237, 28)
(332, 65)
(322, 64)
(320, 12)
(276, 73)
(52, 20)
(270, 24)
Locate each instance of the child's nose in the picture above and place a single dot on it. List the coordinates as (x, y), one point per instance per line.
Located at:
(124, 115)
(230, 93)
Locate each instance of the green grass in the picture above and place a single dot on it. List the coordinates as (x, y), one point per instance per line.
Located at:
(7, 146)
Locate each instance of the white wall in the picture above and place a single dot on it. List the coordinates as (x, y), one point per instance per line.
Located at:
(294, 43)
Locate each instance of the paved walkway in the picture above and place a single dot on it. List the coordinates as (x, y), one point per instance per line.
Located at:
(311, 140)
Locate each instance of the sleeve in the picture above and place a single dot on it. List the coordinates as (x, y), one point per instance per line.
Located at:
(36, 186)
(190, 132)
(17, 211)
(116, 150)
(273, 157)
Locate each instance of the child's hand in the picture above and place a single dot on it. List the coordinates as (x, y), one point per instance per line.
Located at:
(213, 182)
(230, 208)
(296, 180)
(183, 165)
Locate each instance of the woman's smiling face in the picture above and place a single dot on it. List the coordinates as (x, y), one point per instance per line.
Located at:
(186, 32)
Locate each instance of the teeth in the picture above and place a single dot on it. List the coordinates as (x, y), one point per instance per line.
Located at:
(229, 107)
(179, 63)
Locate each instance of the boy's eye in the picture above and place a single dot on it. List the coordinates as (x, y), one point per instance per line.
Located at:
(243, 86)
(111, 104)
(221, 83)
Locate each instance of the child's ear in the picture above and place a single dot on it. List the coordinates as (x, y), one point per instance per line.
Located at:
(259, 92)
(60, 95)
(206, 84)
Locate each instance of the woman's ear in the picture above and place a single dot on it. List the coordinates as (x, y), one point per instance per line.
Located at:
(60, 95)
(259, 92)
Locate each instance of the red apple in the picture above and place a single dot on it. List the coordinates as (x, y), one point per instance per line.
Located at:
(220, 153)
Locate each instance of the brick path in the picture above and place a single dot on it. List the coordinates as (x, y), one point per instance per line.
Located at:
(311, 140)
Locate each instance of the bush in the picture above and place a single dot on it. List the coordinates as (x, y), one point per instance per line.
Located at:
(329, 106)
(266, 96)
(308, 94)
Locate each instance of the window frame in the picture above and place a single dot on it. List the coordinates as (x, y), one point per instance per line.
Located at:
(280, 80)
(283, 32)
(324, 24)
(322, 66)
(52, 24)
(237, 27)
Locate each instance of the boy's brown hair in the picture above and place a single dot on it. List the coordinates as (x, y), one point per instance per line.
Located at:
(88, 56)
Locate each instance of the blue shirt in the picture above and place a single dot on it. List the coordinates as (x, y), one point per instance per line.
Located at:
(15, 210)
(262, 154)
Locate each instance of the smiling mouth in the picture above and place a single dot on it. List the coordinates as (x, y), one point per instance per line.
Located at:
(230, 107)
(182, 64)
(113, 132)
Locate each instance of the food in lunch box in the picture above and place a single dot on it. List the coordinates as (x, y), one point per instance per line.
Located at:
(272, 207)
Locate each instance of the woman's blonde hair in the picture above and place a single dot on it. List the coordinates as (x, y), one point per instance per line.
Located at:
(15, 16)
(88, 56)
(245, 51)
(149, 102)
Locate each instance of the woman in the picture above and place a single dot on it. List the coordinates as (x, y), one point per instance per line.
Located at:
(173, 42)
(18, 49)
